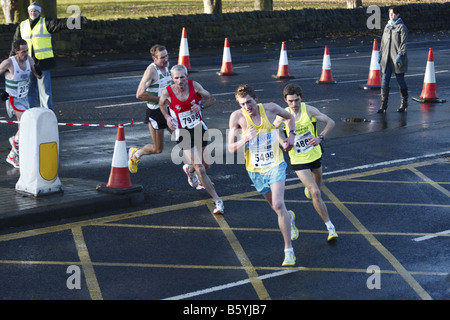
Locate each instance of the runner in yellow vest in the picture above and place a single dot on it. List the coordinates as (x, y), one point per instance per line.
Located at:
(264, 159)
(306, 154)
(36, 31)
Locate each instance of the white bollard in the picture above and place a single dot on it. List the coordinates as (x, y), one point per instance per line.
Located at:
(39, 150)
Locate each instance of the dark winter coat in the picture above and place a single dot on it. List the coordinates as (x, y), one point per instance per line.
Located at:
(393, 46)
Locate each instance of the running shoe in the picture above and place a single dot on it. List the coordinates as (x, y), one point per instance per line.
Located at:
(332, 234)
(307, 194)
(13, 159)
(192, 176)
(294, 230)
(201, 187)
(14, 144)
(289, 259)
(133, 161)
(219, 209)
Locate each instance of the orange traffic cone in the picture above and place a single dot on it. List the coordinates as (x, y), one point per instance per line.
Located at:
(374, 79)
(429, 83)
(183, 56)
(119, 178)
(326, 77)
(283, 65)
(227, 66)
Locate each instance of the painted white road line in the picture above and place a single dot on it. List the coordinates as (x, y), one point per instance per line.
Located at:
(228, 285)
(125, 77)
(385, 163)
(98, 98)
(119, 105)
(217, 69)
(431, 236)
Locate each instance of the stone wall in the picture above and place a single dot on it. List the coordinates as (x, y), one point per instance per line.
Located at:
(206, 30)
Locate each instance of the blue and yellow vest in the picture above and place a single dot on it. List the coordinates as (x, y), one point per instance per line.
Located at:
(263, 152)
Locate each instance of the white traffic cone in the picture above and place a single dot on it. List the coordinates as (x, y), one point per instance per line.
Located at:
(183, 56)
(227, 66)
(374, 79)
(119, 179)
(429, 83)
(326, 76)
(283, 65)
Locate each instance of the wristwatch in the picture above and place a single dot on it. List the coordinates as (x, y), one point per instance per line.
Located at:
(322, 137)
(293, 132)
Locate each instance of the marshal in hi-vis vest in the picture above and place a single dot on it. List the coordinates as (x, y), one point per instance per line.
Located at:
(38, 39)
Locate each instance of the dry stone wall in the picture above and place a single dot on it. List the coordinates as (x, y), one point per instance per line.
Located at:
(204, 30)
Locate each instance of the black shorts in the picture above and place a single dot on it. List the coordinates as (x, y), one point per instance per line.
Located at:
(192, 140)
(156, 118)
(312, 165)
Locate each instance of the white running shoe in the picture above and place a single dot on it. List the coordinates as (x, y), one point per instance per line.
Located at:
(192, 176)
(13, 159)
(332, 235)
(14, 144)
(289, 258)
(219, 209)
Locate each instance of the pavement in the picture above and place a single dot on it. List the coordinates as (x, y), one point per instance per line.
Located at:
(80, 196)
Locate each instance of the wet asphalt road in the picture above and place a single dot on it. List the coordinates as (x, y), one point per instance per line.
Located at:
(386, 185)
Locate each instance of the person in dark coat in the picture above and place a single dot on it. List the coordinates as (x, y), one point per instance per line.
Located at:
(393, 58)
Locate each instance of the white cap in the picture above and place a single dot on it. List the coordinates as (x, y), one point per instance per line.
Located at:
(34, 6)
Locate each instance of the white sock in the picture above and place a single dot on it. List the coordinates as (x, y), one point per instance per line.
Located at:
(289, 250)
(329, 225)
(16, 138)
(137, 154)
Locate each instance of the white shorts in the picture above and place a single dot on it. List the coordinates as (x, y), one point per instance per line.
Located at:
(16, 104)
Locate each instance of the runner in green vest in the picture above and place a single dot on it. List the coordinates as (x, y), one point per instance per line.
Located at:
(306, 154)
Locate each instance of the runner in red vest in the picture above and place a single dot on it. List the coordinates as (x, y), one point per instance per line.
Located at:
(186, 100)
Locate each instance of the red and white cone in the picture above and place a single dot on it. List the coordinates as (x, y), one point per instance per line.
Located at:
(429, 83)
(119, 178)
(227, 66)
(374, 79)
(283, 65)
(183, 56)
(326, 77)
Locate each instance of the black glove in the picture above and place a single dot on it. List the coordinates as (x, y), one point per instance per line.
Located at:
(4, 95)
(38, 70)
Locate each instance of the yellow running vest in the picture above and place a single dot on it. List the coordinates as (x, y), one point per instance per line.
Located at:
(305, 128)
(263, 152)
(38, 39)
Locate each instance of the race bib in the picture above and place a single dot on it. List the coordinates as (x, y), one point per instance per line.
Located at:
(189, 119)
(301, 143)
(22, 89)
(262, 150)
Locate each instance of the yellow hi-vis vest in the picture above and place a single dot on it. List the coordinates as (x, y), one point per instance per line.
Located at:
(38, 39)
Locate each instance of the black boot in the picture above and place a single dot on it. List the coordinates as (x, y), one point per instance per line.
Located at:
(384, 100)
(404, 103)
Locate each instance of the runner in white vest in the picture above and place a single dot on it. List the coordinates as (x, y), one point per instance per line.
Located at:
(155, 79)
(17, 70)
